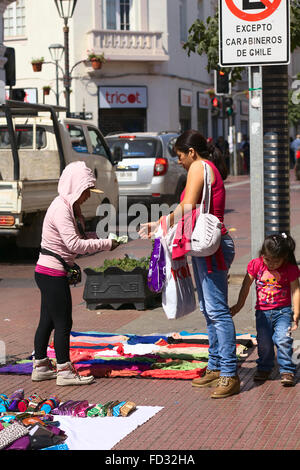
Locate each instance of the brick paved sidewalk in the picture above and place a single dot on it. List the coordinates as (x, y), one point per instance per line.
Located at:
(263, 416)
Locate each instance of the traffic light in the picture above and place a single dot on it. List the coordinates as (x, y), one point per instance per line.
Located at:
(222, 84)
(18, 94)
(10, 67)
(215, 106)
(228, 105)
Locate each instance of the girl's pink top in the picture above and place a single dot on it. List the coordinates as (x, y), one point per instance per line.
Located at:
(273, 287)
(187, 223)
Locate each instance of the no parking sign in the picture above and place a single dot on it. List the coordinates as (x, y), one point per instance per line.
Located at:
(254, 32)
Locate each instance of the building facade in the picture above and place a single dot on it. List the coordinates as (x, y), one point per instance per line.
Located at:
(148, 82)
(3, 59)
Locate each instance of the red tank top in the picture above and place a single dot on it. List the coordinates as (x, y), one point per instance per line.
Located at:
(217, 208)
(218, 196)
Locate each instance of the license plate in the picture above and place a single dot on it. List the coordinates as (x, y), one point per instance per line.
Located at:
(126, 176)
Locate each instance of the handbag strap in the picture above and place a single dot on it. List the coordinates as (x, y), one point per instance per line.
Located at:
(206, 191)
(44, 251)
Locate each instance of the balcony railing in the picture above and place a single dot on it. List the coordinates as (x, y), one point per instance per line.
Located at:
(128, 45)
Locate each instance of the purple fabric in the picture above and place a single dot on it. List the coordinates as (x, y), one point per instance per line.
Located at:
(20, 369)
(157, 267)
(57, 431)
(23, 443)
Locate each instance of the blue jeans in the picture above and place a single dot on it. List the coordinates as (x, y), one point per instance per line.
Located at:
(272, 329)
(212, 291)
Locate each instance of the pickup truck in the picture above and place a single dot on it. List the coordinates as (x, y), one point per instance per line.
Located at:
(35, 147)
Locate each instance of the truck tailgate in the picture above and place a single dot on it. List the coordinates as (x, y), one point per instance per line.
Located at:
(27, 196)
(10, 200)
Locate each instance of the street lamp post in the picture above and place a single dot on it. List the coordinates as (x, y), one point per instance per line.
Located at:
(65, 10)
(56, 52)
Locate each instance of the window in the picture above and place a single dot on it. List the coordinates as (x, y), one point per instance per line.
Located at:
(97, 143)
(132, 147)
(14, 19)
(117, 14)
(171, 144)
(183, 21)
(77, 138)
(124, 14)
(24, 137)
(201, 9)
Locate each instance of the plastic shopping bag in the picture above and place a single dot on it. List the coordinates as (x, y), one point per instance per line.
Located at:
(157, 266)
(178, 295)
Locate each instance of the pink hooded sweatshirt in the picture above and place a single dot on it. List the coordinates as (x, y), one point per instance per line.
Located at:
(60, 233)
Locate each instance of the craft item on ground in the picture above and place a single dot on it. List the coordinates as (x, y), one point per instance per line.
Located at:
(4, 403)
(42, 436)
(22, 443)
(95, 410)
(30, 403)
(10, 434)
(57, 447)
(111, 407)
(32, 420)
(127, 408)
(15, 398)
(50, 404)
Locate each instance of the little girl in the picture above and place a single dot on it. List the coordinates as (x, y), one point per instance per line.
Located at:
(276, 277)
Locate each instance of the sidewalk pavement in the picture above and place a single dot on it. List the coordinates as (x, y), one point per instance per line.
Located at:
(262, 417)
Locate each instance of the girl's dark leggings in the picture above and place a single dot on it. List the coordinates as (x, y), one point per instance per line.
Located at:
(56, 314)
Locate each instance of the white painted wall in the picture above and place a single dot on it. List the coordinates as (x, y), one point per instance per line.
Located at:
(44, 27)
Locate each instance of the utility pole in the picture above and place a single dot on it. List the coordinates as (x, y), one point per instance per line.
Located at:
(276, 150)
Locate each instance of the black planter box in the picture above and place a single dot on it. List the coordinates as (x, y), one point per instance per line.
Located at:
(116, 287)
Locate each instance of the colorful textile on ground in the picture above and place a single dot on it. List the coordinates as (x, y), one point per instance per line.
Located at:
(180, 355)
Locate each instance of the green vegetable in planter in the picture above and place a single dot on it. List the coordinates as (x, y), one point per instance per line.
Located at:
(126, 263)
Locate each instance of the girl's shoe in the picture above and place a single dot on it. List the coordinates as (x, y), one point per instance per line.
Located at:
(68, 375)
(261, 375)
(287, 379)
(43, 369)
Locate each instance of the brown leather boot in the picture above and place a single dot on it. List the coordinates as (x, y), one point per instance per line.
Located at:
(210, 379)
(287, 379)
(226, 387)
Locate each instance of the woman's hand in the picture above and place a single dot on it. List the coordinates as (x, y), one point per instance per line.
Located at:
(114, 245)
(148, 230)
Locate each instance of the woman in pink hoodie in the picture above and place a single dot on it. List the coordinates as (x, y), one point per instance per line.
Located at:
(60, 235)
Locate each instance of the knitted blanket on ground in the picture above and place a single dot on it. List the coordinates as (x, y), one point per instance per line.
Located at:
(180, 355)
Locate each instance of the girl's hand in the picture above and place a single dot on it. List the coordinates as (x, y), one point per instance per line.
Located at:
(296, 321)
(234, 310)
(148, 230)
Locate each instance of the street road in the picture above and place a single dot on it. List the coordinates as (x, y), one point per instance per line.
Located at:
(14, 261)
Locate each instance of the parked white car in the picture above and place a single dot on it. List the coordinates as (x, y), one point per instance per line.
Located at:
(149, 170)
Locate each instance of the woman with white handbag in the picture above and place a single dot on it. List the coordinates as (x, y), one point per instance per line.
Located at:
(211, 271)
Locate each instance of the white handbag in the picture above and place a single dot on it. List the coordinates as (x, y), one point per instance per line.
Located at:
(206, 236)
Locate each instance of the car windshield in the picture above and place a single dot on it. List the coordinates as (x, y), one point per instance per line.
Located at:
(136, 147)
